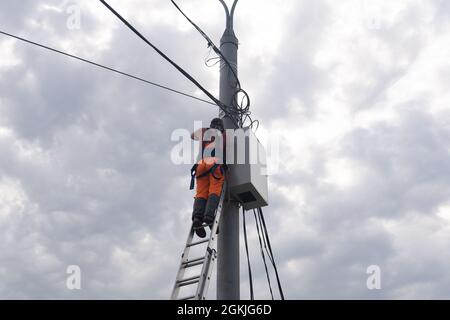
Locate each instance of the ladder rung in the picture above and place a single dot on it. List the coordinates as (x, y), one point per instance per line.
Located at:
(198, 242)
(188, 281)
(187, 298)
(193, 260)
(193, 264)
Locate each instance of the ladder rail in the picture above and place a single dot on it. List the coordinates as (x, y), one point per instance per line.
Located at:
(208, 277)
(207, 260)
(205, 276)
(184, 260)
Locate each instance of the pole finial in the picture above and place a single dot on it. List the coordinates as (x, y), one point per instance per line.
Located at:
(229, 15)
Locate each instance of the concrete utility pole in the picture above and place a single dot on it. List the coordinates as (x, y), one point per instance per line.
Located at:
(228, 280)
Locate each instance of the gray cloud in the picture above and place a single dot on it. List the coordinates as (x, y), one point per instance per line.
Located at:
(86, 176)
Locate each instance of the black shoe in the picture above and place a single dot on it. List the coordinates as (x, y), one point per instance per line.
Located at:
(210, 223)
(208, 220)
(198, 228)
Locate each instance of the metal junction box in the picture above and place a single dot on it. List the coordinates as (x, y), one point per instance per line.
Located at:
(247, 178)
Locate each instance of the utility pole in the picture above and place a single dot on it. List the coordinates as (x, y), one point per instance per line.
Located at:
(228, 279)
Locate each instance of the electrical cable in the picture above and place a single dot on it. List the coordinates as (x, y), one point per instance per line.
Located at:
(104, 67)
(262, 254)
(264, 240)
(252, 296)
(222, 106)
(271, 252)
(241, 112)
(210, 43)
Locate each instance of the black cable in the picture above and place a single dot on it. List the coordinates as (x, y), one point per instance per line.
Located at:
(264, 239)
(210, 43)
(262, 254)
(252, 297)
(104, 67)
(271, 252)
(223, 107)
(242, 113)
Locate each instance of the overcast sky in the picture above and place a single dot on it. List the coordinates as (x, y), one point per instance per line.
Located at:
(357, 91)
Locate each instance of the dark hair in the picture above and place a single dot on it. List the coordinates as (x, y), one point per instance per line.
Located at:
(217, 123)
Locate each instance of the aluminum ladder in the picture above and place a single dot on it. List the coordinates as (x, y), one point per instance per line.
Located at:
(207, 260)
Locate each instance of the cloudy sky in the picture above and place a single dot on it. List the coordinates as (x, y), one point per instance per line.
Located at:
(357, 91)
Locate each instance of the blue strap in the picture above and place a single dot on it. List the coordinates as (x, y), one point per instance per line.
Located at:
(211, 170)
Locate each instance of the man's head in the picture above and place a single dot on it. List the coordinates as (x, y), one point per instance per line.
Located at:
(217, 123)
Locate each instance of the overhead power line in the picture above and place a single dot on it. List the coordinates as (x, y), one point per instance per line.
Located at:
(210, 43)
(105, 67)
(240, 110)
(222, 106)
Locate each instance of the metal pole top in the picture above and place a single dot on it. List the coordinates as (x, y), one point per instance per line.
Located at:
(229, 15)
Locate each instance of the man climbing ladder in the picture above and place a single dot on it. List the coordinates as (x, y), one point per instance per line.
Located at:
(209, 173)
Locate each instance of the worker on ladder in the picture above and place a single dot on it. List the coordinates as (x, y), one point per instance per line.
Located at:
(209, 173)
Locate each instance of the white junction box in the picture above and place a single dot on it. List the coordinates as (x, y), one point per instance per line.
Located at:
(247, 178)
